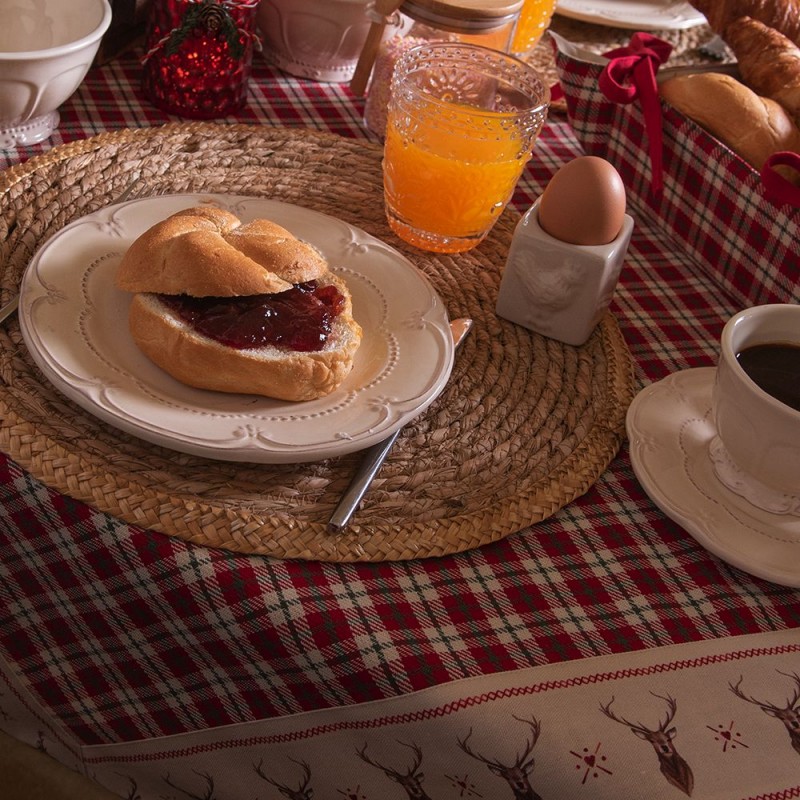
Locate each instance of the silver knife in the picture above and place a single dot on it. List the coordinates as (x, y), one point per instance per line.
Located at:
(375, 456)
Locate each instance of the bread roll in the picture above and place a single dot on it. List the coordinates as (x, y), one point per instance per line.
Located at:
(769, 62)
(208, 253)
(753, 127)
(199, 361)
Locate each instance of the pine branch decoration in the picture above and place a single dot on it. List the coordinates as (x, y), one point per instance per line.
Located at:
(212, 17)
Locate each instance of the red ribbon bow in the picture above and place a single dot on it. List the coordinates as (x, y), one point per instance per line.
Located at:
(631, 74)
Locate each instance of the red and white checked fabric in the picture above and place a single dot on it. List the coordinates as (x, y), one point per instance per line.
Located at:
(121, 634)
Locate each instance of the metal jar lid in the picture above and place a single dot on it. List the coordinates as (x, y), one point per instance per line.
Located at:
(467, 16)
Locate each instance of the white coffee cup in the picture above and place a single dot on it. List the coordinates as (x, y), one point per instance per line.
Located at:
(757, 452)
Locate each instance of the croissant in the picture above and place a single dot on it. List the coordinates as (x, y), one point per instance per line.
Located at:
(769, 62)
(783, 15)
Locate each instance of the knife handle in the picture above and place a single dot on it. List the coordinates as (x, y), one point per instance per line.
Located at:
(368, 467)
(9, 308)
(374, 456)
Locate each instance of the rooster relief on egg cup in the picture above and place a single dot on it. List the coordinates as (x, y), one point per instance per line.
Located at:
(557, 289)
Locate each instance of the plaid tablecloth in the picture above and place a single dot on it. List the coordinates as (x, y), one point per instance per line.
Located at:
(111, 634)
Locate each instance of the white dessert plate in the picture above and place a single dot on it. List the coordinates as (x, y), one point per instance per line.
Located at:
(634, 14)
(670, 428)
(74, 322)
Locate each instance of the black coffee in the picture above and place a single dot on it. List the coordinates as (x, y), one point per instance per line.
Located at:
(775, 368)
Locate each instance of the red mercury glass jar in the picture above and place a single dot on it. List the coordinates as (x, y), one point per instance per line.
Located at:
(198, 56)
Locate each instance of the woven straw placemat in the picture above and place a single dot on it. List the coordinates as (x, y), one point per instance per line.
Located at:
(525, 425)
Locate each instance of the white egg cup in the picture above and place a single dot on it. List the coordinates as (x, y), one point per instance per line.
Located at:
(558, 289)
(46, 49)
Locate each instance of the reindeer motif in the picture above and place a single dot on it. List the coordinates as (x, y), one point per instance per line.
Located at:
(516, 774)
(302, 792)
(133, 789)
(209, 780)
(789, 714)
(672, 765)
(410, 780)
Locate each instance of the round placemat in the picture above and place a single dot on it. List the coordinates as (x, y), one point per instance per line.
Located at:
(525, 425)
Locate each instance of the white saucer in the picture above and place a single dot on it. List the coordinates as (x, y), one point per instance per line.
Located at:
(670, 428)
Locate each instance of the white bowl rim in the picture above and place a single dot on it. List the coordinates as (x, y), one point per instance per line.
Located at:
(64, 49)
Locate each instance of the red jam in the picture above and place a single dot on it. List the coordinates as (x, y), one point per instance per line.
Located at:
(300, 318)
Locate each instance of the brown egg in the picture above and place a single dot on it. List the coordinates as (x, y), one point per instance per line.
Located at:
(584, 203)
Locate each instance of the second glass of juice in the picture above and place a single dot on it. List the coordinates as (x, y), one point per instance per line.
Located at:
(534, 20)
(462, 122)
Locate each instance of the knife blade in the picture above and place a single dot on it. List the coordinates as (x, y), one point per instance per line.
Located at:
(9, 308)
(374, 456)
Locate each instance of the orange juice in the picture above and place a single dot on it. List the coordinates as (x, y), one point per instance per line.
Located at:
(534, 18)
(462, 121)
(448, 184)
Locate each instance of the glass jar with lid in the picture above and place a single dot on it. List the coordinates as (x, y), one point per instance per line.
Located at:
(489, 23)
(485, 22)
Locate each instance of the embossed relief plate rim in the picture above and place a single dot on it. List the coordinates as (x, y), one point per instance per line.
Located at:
(670, 427)
(73, 321)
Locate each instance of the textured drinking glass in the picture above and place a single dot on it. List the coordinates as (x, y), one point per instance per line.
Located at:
(534, 20)
(199, 55)
(461, 124)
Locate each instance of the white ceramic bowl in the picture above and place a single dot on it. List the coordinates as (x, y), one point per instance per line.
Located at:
(318, 39)
(46, 48)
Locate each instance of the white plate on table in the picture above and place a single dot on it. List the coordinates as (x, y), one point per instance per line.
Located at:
(634, 14)
(670, 427)
(74, 322)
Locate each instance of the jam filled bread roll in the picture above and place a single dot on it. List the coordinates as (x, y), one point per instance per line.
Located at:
(244, 308)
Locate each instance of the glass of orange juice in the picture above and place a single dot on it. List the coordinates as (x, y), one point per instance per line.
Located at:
(534, 19)
(461, 124)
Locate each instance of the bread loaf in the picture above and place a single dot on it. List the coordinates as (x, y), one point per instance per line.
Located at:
(754, 127)
(769, 62)
(202, 265)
